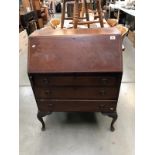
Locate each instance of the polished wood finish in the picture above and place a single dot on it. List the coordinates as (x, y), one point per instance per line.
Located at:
(76, 70)
(110, 79)
(73, 92)
(75, 52)
(77, 105)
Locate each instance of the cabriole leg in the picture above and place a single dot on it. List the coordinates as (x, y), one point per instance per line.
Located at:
(40, 116)
(114, 118)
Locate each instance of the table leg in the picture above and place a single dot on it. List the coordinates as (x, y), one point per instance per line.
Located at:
(118, 15)
(76, 14)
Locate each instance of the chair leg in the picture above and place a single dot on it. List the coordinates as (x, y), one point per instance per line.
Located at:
(83, 10)
(76, 14)
(91, 4)
(86, 11)
(99, 10)
(63, 13)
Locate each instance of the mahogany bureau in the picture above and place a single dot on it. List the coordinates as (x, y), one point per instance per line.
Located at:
(75, 70)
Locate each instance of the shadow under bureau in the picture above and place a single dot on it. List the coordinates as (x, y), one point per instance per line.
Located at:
(75, 70)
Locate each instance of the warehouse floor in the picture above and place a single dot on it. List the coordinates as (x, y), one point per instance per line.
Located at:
(78, 133)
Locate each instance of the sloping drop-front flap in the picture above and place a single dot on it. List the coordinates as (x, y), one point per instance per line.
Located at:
(75, 52)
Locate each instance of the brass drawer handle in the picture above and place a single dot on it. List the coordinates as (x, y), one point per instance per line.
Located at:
(45, 81)
(111, 108)
(104, 80)
(30, 77)
(50, 105)
(102, 92)
(102, 106)
(47, 92)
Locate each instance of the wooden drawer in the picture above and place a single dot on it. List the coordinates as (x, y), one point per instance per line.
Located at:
(49, 80)
(76, 92)
(77, 105)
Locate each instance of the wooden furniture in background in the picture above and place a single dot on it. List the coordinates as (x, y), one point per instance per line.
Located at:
(40, 23)
(76, 14)
(55, 22)
(44, 14)
(112, 22)
(76, 17)
(42, 11)
(28, 21)
(124, 31)
(75, 70)
(70, 6)
(26, 4)
(36, 4)
(63, 18)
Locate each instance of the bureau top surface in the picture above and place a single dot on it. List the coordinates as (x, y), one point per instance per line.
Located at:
(74, 32)
(75, 50)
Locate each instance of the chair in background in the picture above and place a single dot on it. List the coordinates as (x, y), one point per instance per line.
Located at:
(112, 22)
(124, 31)
(99, 15)
(54, 23)
(77, 19)
(84, 3)
(50, 9)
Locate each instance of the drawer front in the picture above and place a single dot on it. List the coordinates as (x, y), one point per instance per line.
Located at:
(77, 105)
(76, 93)
(42, 80)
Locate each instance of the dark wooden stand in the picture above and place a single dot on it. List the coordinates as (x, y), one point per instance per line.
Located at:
(82, 73)
(40, 116)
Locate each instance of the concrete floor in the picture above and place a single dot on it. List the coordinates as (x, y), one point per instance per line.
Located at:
(78, 133)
